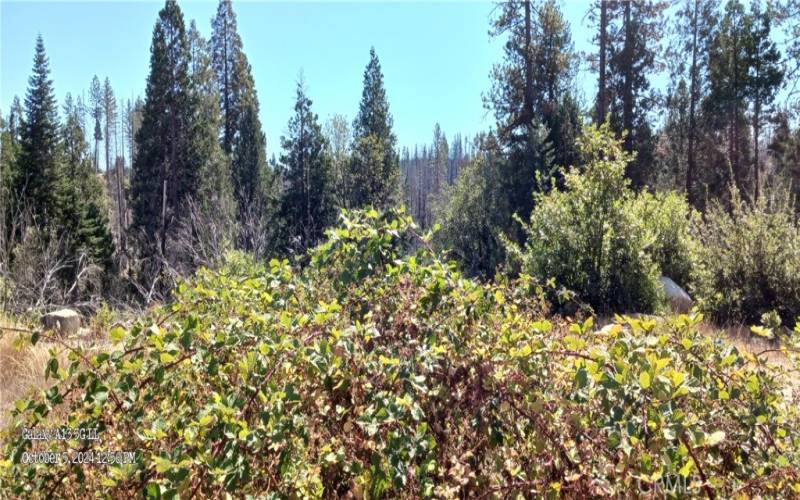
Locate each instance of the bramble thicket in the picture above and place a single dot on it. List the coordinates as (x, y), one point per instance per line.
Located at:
(348, 316)
(373, 373)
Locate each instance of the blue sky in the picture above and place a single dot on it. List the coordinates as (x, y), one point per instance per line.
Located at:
(436, 57)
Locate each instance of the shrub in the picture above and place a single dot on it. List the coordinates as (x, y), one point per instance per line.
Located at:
(748, 260)
(474, 214)
(666, 219)
(586, 239)
(409, 381)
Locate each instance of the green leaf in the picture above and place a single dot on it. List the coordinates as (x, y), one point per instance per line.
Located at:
(687, 468)
(762, 331)
(388, 361)
(644, 380)
(117, 334)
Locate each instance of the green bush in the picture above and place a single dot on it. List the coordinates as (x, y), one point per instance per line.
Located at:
(666, 219)
(393, 376)
(586, 238)
(473, 213)
(748, 260)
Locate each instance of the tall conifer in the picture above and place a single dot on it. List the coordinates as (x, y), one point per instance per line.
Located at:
(308, 201)
(241, 134)
(34, 184)
(375, 164)
(164, 173)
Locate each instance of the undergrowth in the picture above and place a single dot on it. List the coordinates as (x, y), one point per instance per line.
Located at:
(375, 375)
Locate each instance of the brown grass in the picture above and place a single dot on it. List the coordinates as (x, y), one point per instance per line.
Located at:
(22, 365)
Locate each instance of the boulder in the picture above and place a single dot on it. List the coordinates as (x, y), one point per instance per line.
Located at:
(678, 299)
(65, 322)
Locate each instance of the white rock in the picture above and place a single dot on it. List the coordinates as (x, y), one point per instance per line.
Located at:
(678, 299)
(64, 321)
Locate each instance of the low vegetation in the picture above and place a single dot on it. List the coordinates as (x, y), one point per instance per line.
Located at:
(239, 342)
(747, 260)
(375, 374)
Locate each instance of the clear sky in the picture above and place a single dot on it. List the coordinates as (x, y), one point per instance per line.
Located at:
(436, 57)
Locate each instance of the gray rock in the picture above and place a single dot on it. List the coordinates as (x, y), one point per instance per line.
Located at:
(678, 299)
(65, 322)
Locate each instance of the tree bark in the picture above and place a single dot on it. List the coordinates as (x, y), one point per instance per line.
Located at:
(627, 99)
(601, 92)
(690, 163)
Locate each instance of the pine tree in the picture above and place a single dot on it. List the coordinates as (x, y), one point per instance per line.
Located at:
(37, 169)
(672, 143)
(784, 149)
(113, 166)
(307, 206)
(9, 150)
(96, 112)
(438, 172)
(726, 104)
(375, 165)
(214, 186)
(16, 121)
(476, 213)
(241, 135)
(766, 77)
(694, 27)
(634, 55)
(133, 121)
(228, 60)
(527, 89)
(164, 176)
(602, 68)
(338, 138)
(81, 209)
(109, 103)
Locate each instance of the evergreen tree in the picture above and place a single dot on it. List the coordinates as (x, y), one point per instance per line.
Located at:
(109, 103)
(9, 149)
(307, 206)
(476, 211)
(241, 134)
(784, 149)
(228, 62)
(250, 174)
(81, 209)
(375, 165)
(634, 55)
(16, 121)
(437, 174)
(337, 139)
(694, 27)
(670, 159)
(766, 77)
(37, 169)
(727, 101)
(113, 168)
(214, 186)
(133, 121)
(604, 6)
(96, 112)
(164, 174)
(531, 97)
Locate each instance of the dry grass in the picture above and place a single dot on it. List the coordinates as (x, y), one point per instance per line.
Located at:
(22, 365)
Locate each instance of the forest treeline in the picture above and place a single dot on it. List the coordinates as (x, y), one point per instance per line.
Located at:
(106, 199)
